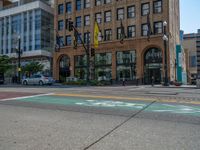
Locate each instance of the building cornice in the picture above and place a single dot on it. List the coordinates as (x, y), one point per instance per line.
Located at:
(25, 8)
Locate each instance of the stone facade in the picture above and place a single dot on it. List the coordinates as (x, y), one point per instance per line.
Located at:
(139, 43)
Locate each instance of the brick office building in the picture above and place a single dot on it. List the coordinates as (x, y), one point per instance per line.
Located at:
(191, 43)
(137, 57)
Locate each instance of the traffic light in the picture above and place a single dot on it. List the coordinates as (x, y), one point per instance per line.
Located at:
(92, 52)
(70, 26)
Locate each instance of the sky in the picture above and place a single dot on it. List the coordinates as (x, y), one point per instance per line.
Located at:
(190, 15)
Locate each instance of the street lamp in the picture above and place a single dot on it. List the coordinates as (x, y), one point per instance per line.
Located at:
(165, 39)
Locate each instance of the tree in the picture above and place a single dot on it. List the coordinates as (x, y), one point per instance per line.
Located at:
(5, 64)
(32, 67)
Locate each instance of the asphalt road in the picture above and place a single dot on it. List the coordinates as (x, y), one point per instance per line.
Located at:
(44, 124)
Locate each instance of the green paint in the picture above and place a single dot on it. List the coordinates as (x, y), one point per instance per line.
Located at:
(53, 100)
(156, 107)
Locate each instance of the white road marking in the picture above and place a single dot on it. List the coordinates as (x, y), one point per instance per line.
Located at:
(105, 103)
(25, 97)
(137, 88)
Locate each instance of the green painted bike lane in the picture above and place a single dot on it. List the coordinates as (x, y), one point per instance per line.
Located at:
(113, 104)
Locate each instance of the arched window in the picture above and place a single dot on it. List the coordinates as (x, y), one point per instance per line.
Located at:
(64, 68)
(153, 66)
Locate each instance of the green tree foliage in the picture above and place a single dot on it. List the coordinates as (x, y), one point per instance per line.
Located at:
(32, 67)
(5, 64)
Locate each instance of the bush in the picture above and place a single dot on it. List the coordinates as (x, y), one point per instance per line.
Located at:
(94, 82)
(79, 82)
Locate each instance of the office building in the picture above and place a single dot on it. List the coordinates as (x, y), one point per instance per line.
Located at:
(191, 44)
(139, 56)
(31, 23)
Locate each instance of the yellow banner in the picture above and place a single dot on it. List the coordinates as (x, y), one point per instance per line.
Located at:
(96, 35)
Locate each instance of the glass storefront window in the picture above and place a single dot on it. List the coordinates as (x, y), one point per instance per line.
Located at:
(103, 59)
(126, 65)
(126, 57)
(103, 73)
(80, 67)
(80, 61)
(103, 66)
(127, 72)
(81, 73)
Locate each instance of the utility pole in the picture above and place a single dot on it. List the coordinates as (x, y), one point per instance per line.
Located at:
(71, 27)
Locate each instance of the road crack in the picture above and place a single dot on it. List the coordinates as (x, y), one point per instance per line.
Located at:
(119, 125)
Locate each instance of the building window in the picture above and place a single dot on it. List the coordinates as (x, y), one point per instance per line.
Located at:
(80, 66)
(108, 35)
(87, 20)
(98, 17)
(131, 11)
(157, 6)
(60, 25)
(119, 33)
(107, 17)
(97, 2)
(68, 40)
(103, 66)
(131, 31)
(69, 8)
(193, 61)
(86, 36)
(120, 13)
(79, 38)
(78, 22)
(60, 9)
(126, 65)
(107, 1)
(144, 29)
(61, 41)
(78, 4)
(158, 27)
(145, 10)
(86, 3)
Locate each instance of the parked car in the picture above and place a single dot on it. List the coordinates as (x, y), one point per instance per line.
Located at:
(1, 78)
(38, 79)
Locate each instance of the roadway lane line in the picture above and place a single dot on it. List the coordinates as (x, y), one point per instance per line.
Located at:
(25, 97)
(130, 98)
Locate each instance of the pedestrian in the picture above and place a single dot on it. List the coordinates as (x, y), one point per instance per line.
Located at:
(137, 81)
(123, 81)
(111, 81)
(152, 81)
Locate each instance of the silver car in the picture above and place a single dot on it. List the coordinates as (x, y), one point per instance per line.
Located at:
(38, 79)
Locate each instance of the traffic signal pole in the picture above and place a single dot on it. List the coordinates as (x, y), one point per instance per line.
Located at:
(88, 58)
(86, 47)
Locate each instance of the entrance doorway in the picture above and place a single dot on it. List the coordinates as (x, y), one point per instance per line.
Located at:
(64, 68)
(153, 66)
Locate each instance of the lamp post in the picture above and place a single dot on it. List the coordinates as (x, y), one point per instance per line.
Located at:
(19, 59)
(165, 39)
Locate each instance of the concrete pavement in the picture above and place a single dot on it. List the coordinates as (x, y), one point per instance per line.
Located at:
(117, 118)
(32, 128)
